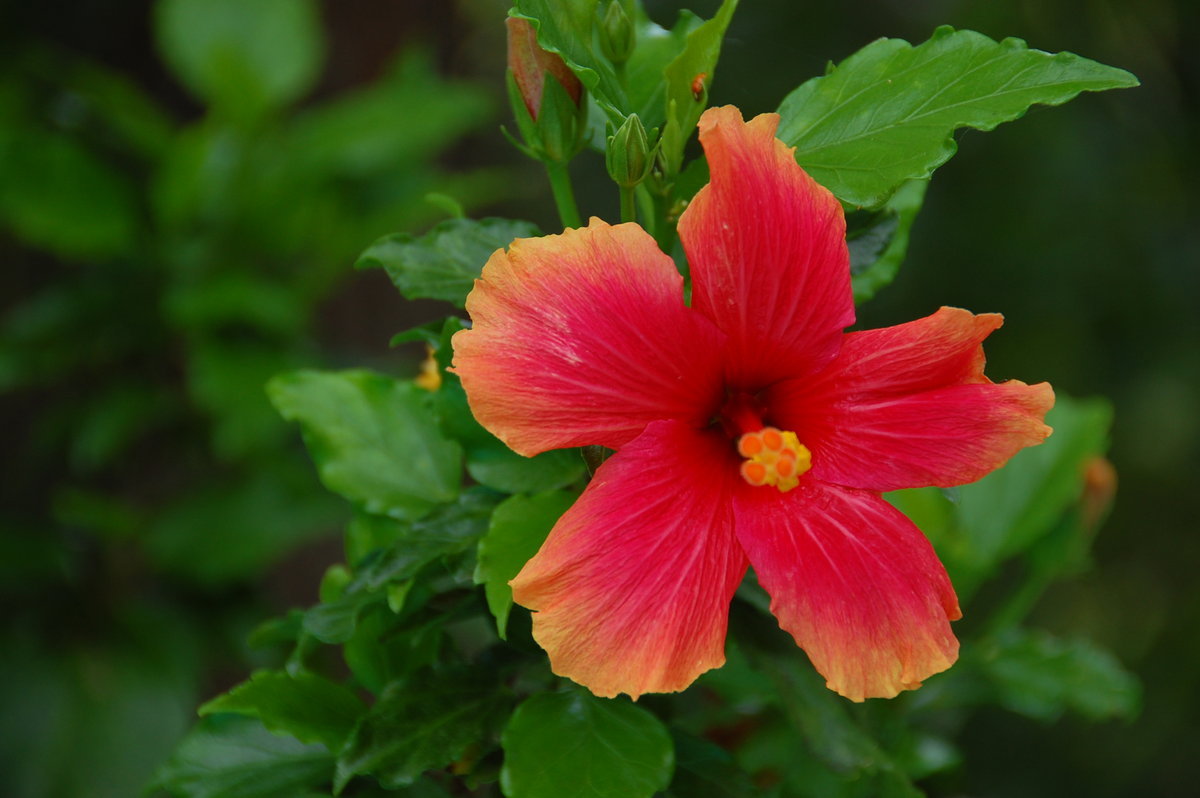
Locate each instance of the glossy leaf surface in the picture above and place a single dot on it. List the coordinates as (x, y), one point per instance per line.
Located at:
(574, 743)
(885, 115)
(373, 439)
(304, 705)
(443, 263)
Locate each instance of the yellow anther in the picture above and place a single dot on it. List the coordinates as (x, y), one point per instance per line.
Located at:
(773, 457)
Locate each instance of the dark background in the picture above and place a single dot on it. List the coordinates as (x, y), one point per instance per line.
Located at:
(1078, 223)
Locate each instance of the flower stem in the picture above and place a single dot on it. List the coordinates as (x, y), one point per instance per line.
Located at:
(649, 217)
(564, 195)
(628, 205)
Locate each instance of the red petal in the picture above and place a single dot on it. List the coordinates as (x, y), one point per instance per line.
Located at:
(631, 591)
(908, 406)
(583, 338)
(767, 250)
(854, 582)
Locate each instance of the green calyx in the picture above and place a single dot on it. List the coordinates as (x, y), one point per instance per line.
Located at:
(557, 134)
(629, 156)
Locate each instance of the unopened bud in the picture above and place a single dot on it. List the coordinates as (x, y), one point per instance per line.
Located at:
(617, 36)
(551, 114)
(629, 156)
(530, 64)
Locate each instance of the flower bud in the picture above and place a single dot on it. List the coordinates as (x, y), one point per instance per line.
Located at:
(617, 36)
(629, 157)
(530, 64)
(551, 114)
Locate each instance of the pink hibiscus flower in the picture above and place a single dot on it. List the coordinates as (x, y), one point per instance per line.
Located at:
(749, 429)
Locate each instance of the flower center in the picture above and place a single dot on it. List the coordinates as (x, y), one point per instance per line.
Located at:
(773, 457)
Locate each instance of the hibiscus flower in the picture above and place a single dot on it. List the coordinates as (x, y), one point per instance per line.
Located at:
(749, 429)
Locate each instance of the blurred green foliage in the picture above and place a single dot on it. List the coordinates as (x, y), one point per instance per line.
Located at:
(161, 268)
(162, 264)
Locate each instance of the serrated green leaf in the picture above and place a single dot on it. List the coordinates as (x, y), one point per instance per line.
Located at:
(443, 263)
(885, 115)
(417, 726)
(518, 528)
(1041, 676)
(373, 439)
(573, 743)
(877, 251)
(244, 58)
(307, 706)
(227, 756)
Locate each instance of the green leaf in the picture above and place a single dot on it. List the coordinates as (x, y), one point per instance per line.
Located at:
(1041, 676)
(383, 649)
(56, 194)
(573, 743)
(885, 115)
(697, 61)
(373, 439)
(519, 526)
(411, 545)
(443, 263)
(227, 756)
(336, 621)
(877, 250)
(452, 529)
(307, 706)
(372, 133)
(244, 58)
(499, 467)
(224, 379)
(417, 726)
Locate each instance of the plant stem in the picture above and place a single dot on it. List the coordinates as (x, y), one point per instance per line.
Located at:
(564, 195)
(628, 205)
(649, 214)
